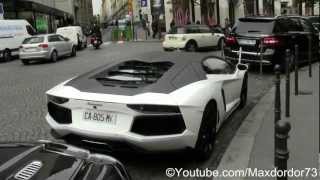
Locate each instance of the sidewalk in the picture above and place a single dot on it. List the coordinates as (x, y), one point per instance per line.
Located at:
(253, 145)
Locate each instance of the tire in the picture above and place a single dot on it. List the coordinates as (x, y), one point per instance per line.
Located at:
(244, 92)
(191, 46)
(219, 43)
(207, 133)
(6, 55)
(74, 51)
(167, 49)
(54, 56)
(24, 61)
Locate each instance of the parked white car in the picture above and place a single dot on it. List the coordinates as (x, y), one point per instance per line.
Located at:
(75, 34)
(12, 33)
(46, 47)
(192, 38)
(155, 102)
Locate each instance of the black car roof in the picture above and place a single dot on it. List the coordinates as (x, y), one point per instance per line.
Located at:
(258, 17)
(186, 68)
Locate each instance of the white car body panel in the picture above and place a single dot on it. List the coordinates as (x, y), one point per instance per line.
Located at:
(179, 41)
(191, 100)
(12, 34)
(72, 32)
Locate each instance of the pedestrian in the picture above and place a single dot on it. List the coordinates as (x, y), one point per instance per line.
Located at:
(172, 24)
(154, 27)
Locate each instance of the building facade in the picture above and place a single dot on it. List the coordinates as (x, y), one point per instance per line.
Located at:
(41, 14)
(81, 10)
(46, 15)
(210, 12)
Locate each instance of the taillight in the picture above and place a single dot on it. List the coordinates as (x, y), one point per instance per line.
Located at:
(144, 108)
(271, 41)
(231, 40)
(44, 45)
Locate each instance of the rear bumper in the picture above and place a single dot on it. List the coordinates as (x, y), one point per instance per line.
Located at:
(265, 58)
(143, 143)
(34, 55)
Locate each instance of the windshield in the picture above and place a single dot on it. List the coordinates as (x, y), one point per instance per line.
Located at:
(33, 40)
(178, 30)
(257, 26)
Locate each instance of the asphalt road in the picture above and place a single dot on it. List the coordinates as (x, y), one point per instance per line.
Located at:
(23, 105)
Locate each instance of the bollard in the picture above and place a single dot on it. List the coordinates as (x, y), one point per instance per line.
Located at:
(277, 102)
(287, 59)
(310, 54)
(282, 130)
(261, 56)
(296, 73)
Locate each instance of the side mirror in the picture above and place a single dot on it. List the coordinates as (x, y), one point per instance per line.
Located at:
(242, 67)
(67, 39)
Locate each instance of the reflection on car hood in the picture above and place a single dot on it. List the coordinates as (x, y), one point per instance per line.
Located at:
(51, 161)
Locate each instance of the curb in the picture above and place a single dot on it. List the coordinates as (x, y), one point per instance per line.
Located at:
(237, 155)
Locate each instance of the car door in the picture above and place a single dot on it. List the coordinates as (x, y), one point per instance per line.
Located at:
(207, 36)
(65, 45)
(308, 27)
(55, 42)
(221, 71)
(300, 38)
(193, 32)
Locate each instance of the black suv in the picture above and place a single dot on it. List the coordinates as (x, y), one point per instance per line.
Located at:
(275, 34)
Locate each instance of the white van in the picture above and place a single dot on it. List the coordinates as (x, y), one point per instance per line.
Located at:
(75, 34)
(12, 33)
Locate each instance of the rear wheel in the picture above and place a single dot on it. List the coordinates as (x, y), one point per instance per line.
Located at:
(244, 92)
(207, 133)
(74, 51)
(24, 61)
(191, 46)
(54, 56)
(6, 55)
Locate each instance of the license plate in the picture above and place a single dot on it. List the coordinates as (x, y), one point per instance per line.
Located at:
(172, 38)
(247, 42)
(100, 116)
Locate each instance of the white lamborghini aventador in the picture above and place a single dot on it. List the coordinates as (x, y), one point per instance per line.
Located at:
(154, 102)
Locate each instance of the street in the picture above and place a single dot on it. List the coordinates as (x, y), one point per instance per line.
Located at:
(23, 105)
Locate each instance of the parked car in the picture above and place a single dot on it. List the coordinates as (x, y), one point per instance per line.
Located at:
(150, 102)
(46, 160)
(46, 47)
(276, 34)
(315, 20)
(12, 33)
(192, 38)
(75, 34)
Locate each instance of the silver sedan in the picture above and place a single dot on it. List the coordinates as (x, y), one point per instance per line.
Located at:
(46, 47)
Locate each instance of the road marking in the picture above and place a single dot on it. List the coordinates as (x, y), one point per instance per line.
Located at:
(105, 43)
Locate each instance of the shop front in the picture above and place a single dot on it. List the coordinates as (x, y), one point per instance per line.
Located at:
(43, 18)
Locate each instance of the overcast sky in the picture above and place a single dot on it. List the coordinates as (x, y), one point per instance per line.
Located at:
(96, 4)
